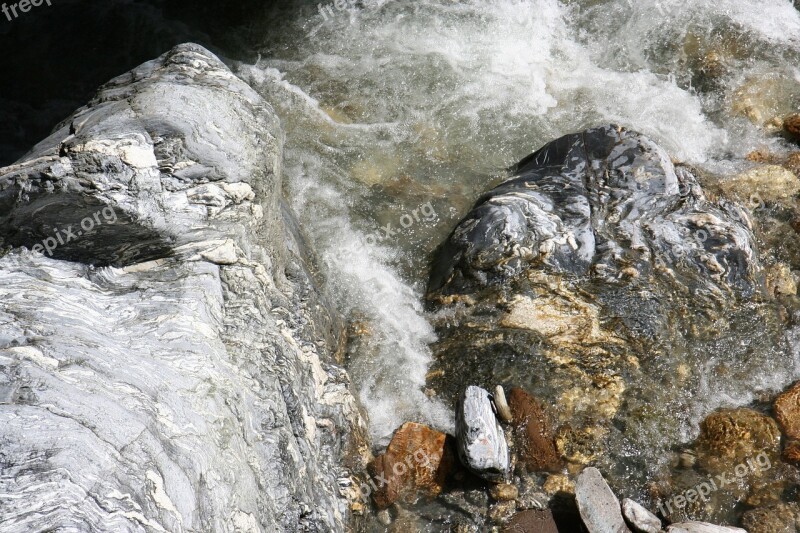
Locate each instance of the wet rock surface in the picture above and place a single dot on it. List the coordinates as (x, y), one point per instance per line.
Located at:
(702, 527)
(787, 412)
(416, 464)
(481, 441)
(191, 385)
(780, 518)
(602, 280)
(533, 434)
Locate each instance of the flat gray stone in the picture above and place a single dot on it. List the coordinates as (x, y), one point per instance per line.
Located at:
(642, 520)
(702, 527)
(599, 507)
(481, 441)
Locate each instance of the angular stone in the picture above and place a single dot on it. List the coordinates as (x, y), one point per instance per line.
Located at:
(416, 462)
(640, 519)
(599, 507)
(702, 527)
(533, 521)
(481, 441)
(532, 433)
(787, 411)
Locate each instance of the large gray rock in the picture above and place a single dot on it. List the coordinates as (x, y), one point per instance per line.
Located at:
(482, 443)
(599, 507)
(702, 527)
(166, 362)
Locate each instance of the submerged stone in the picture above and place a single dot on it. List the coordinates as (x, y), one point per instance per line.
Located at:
(533, 433)
(481, 441)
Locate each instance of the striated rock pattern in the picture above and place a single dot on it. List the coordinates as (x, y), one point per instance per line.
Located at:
(481, 441)
(165, 357)
(416, 463)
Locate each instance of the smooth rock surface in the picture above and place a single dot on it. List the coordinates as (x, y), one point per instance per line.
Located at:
(702, 527)
(169, 369)
(640, 519)
(599, 507)
(481, 441)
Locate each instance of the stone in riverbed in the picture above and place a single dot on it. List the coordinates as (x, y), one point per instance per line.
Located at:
(642, 520)
(533, 521)
(787, 412)
(780, 518)
(599, 507)
(417, 462)
(702, 527)
(533, 433)
(481, 441)
(732, 436)
(791, 125)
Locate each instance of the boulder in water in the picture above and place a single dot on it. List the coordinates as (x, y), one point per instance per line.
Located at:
(599, 507)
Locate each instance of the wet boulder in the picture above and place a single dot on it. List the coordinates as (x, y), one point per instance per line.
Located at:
(598, 278)
(787, 412)
(416, 463)
(702, 527)
(780, 518)
(481, 441)
(640, 519)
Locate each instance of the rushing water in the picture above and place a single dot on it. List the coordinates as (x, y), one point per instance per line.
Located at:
(402, 113)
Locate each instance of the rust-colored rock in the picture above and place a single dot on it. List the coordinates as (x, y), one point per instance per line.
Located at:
(416, 463)
(787, 411)
(791, 452)
(533, 435)
(533, 521)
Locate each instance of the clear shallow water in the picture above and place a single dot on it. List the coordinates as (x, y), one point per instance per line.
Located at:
(396, 105)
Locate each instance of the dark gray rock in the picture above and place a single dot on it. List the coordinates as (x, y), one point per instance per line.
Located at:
(481, 441)
(640, 519)
(598, 505)
(167, 366)
(598, 202)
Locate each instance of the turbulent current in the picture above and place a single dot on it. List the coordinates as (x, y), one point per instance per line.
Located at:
(399, 114)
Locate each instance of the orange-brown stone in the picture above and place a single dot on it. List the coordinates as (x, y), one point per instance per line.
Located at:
(416, 463)
(787, 411)
(533, 434)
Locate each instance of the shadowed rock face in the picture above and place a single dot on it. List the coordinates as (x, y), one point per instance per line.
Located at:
(191, 386)
(602, 280)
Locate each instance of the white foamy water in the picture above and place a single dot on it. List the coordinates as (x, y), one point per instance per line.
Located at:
(394, 104)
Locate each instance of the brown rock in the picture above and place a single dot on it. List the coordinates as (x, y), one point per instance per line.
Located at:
(533, 434)
(533, 521)
(779, 518)
(417, 462)
(503, 492)
(791, 125)
(791, 452)
(731, 436)
(787, 411)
